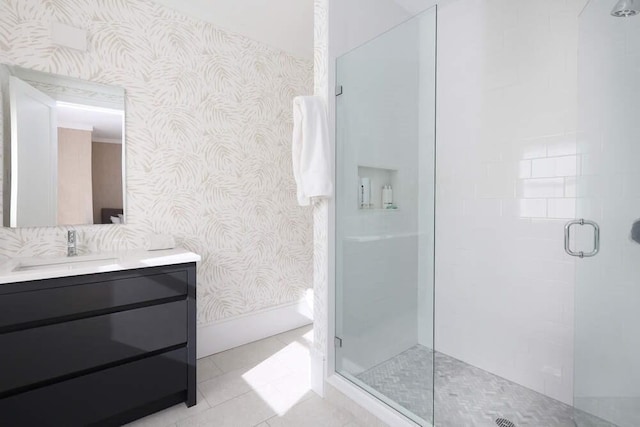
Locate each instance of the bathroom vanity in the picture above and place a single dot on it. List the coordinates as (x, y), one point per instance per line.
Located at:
(96, 340)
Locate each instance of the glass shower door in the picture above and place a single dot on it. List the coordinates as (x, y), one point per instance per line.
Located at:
(385, 153)
(607, 292)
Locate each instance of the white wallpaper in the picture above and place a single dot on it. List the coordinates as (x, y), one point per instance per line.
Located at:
(321, 209)
(208, 143)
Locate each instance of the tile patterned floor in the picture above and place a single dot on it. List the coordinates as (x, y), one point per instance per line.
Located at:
(263, 384)
(466, 395)
(266, 384)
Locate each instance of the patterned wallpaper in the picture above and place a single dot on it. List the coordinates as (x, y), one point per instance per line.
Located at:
(208, 143)
(321, 208)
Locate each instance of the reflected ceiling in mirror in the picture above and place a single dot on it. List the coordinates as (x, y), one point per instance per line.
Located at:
(63, 145)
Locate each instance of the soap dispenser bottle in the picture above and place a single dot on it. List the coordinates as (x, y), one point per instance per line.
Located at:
(387, 197)
(365, 193)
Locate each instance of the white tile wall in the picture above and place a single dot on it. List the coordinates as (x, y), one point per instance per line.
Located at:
(355, 22)
(506, 184)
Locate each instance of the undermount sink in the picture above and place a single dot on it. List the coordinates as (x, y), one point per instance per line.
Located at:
(63, 263)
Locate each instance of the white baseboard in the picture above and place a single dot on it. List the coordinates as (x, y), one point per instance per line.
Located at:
(230, 333)
(364, 402)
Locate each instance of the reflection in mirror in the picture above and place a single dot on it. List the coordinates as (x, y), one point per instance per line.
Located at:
(63, 146)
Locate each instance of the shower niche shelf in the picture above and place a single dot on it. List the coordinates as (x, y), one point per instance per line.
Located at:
(379, 177)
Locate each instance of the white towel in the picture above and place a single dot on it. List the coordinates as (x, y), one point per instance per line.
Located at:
(311, 154)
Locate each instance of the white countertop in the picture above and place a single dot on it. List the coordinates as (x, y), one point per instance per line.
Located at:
(47, 267)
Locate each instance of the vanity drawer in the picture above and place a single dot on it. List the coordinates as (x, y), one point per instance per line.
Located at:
(109, 397)
(35, 355)
(67, 297)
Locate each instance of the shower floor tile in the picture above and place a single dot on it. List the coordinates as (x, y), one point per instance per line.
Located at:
(466, 395)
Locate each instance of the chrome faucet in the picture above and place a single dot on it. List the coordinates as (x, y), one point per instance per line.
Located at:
(72, 239)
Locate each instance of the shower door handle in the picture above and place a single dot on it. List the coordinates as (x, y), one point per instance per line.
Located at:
(596, 238)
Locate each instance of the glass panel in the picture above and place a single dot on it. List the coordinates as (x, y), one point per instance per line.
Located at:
(607, 295)
(385, 216)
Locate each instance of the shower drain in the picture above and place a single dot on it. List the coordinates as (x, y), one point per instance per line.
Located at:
(503, 422)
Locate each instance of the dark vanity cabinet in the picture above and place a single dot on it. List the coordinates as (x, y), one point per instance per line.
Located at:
(99, 349)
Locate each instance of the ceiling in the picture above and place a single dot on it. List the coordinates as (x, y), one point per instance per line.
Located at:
(284, 24)
(106, 125)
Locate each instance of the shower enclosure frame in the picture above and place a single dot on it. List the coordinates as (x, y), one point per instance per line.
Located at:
(333, 378)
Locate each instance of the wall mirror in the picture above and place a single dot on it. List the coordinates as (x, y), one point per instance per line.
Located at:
(63, 147)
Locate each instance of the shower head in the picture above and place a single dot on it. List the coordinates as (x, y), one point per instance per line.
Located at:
(626, 8)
